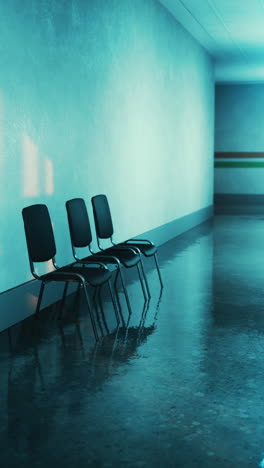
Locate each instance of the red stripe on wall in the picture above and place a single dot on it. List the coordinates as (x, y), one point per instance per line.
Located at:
(239, 155)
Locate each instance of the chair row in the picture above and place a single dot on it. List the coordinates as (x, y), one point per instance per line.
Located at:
(42, 248)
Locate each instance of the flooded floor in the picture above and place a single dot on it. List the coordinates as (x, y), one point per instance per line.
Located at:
(180, 385)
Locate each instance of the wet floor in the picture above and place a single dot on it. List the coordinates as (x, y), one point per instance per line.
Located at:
(180, 386)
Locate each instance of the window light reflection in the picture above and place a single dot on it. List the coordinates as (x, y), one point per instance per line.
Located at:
(49, 183)
(30, 171)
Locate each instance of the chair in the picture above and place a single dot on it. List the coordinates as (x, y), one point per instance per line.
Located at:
(42, 248)
(81, 237)
(105, 230)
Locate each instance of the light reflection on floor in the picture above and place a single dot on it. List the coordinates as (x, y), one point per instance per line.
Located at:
(179, 386)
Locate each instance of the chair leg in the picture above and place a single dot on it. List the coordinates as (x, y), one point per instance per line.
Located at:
(125, 292)
(115, 288)
(145, 310)
(114, 302)
(79, 333)
(158, 269)
(142, 283)
(144, 276)
(39, 299)
(63, 299)
(97, 306)
(116, 278)
(65, 291)
(90, 312)
(102, 311)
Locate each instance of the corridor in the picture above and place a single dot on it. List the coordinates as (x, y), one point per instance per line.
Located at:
(180, 386)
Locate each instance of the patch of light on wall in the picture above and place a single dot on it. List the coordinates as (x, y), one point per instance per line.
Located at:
(49, 266)
(30, 167)
(49, 177)
(32, 300)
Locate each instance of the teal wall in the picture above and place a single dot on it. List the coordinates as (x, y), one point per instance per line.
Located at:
(106, 96)
(239, 124)
(239, 117)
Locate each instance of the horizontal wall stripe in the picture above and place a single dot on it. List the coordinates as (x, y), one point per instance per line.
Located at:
(239, 199)
(238, 164)
(238, 154)
(237, 160)
(239, 203)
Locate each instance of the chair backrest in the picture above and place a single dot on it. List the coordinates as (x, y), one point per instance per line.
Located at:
(102, 217)
(39, 233)
(79, 224)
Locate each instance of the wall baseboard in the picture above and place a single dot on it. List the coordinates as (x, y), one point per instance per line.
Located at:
(168, 231)
(235, 203)
(238, 199)
(19, 303)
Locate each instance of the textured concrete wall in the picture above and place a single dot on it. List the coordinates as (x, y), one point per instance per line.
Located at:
(239, 135)
(107, 96)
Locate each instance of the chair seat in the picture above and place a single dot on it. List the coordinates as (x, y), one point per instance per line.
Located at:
(147, 249)
(126, 257)
(93, 276)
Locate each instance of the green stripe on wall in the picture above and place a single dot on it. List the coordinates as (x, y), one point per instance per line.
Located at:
(239, 164)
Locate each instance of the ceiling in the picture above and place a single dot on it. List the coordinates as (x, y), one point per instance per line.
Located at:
(232, 31)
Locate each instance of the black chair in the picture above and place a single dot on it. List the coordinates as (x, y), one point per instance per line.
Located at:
(42, 248)
(81, 237)
(105, 230)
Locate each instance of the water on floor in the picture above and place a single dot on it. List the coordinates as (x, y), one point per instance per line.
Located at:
(180, 385)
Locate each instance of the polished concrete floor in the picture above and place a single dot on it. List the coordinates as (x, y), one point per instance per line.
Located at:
(180, 386)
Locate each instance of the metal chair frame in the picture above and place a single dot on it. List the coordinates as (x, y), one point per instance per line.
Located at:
(134, 243)
(119, 248)
(108, 259)
(67, 276)
(137, 242)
